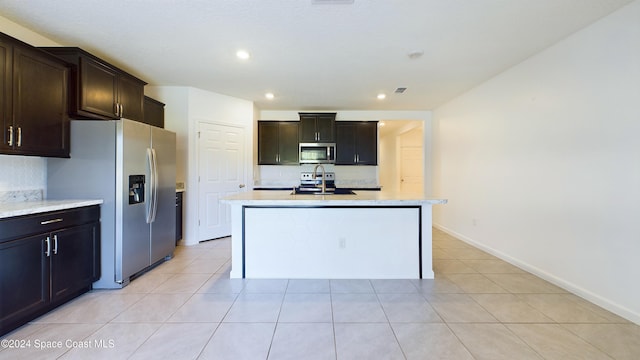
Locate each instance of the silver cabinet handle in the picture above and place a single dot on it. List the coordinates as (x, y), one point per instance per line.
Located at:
(19, 136)
(50, 221)
(48, 252)
(55, 244)
(10, 142)
(121, 110)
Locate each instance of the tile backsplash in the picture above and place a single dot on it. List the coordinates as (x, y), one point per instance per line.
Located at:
(22, 176)
(289, 176)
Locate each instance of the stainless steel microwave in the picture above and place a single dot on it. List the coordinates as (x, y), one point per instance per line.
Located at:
(317, 153)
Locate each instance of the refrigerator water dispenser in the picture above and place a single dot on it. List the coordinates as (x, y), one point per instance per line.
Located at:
(136, 189)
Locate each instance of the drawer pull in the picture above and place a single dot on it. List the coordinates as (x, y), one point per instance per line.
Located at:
(50, 221)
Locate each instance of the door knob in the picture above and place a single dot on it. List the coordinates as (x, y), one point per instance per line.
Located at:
(241, 186)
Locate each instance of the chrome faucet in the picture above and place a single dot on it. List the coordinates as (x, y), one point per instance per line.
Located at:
(324, 183)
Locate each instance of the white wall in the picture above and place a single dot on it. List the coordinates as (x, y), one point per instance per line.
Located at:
(23, 172)
(185, 107)
(541, 164)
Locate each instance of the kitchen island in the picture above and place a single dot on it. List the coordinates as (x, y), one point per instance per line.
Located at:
(368, 235)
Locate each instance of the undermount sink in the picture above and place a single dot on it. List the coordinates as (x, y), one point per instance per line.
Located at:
(336, 191)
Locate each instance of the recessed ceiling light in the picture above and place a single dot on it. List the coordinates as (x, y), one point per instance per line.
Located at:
(269, 96)
(243, 54)
(381, 96)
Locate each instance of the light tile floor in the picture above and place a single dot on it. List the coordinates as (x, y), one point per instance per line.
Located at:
(478, 307)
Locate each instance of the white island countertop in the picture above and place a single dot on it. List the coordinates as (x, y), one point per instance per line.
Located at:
(11, 209)
(285, 198)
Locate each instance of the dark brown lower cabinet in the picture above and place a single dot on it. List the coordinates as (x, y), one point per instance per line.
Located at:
(43, 270)
(179, 207)
(24, 281)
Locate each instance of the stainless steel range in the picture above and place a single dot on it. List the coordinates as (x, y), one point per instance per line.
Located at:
(313, 183)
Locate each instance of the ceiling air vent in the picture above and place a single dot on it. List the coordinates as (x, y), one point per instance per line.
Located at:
(400, 90)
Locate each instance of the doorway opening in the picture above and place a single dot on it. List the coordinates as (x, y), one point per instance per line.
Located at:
(402, 156)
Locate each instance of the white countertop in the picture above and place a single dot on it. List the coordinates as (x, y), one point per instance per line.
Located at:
(280, 198)
(10, 209)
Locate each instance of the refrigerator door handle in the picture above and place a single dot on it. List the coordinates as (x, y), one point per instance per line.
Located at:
(155, 185)
(151, 181)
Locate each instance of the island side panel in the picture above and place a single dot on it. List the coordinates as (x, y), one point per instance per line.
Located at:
(236, 241)
(427, 241)
(332, 242)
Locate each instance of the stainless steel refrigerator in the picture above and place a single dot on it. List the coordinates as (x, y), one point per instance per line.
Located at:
(132, 167)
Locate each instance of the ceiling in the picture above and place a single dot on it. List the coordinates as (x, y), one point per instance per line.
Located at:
(313, 54)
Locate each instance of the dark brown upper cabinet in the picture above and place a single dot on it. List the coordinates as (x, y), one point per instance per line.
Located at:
(357, 143)
(33, 101)
(317, 127)
(153, 112)
(278, 143)
(99, 90)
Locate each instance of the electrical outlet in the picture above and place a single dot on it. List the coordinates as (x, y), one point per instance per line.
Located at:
(342, 243)
(474, 222)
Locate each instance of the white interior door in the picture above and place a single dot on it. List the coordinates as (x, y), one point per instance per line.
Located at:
(221, 172)
(411, 164)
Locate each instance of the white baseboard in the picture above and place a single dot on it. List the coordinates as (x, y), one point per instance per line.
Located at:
(577, 290)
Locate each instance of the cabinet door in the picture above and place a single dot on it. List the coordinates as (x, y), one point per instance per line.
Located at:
(307, 128)
(345, 143)
(131, 98)
(356, 143)
(6, 49)
(98, 88)
(367, 143)
(179, 199)
(325, 126)
(268, 143)
(153, 112)
(72, 258)
(24, 280)
(317, 127)
(40, 104)
(288, 149)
